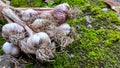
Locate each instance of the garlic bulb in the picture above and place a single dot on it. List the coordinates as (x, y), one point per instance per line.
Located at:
(62, 7)
(46, 15)
(27, 14)
(42, 25)
(60, 12)
(11, 29)
(37, 40)
(60, 17)
(65, 27)
(8, 48)
(37, 23)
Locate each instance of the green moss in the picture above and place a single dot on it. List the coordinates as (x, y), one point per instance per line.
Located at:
(2, 41)
(27, 3)
(29, 65)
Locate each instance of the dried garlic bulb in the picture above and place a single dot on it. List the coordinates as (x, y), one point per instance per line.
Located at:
(60, 17)
(46, 15)
(8, 48)
(37, 40)
(44, 54)
(60, 12)
(62, 8)
(65, 27)
(27, 15)
(11, 29)
(42, 25)
(37, 23)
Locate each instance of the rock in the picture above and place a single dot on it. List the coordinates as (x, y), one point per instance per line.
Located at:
(105, 9)
(88, 19)
(71, 55)
(78, 25)
(89, 26)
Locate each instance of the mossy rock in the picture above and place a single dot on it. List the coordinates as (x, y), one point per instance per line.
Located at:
(94, 47)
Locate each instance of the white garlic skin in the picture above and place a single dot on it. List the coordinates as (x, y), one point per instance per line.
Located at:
(37, 40)
(26, 14)
(60, 13)
(60, 17)
(46, 15)
(65, 27)
(11, 29)
(37, 23)
(62, 7)
(8, 48)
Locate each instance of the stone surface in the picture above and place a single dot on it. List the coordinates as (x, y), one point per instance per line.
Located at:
(105, 9)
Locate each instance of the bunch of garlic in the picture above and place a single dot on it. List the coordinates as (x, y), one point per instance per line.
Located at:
(39, 35)
(8, 31)
(31, 44)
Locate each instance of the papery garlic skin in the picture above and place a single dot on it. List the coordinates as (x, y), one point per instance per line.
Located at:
(37, 23)
(8, 48)
(15, 51)
(27, 14)
(23, 46)
(65, 27)
(11, 29)
(60, 12)
(46, 15)
(37, 40)
(62, 7)
(60, 17)
(42, 25)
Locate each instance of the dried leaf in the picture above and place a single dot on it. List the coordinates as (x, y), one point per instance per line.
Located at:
(114, 4)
